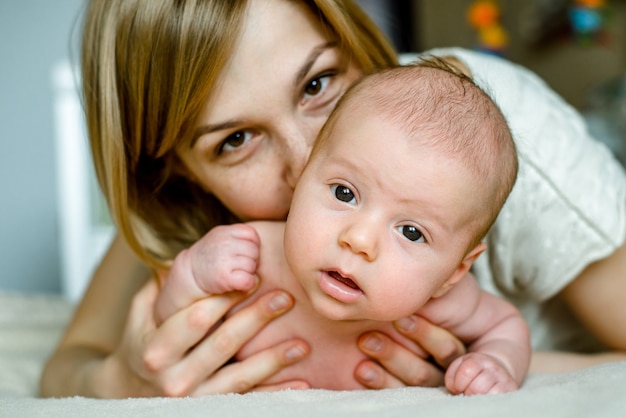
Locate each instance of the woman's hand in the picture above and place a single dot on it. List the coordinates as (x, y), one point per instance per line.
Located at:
(393, 365)
(177, 360)
(112, 348)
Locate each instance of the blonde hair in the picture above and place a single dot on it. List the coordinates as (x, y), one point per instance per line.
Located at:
(436, 103)
(148, 67)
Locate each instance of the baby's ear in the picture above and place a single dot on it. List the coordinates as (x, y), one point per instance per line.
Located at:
(461, 270)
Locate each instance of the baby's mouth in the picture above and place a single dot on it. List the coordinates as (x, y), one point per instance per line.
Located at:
(339, 287)
(346, 281)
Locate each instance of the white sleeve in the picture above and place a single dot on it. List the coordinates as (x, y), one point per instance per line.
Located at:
(568, 206)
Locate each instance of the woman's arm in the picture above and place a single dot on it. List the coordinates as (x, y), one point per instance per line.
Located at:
(98, 321)
(112, 347)
(596, 298)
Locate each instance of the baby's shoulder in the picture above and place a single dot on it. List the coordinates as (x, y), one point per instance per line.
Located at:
(271, 235)
(272, 266)
(268, 228)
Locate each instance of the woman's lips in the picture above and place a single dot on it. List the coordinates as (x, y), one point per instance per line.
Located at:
(339, 287)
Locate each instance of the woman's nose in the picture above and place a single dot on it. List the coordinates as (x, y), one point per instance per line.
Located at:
(360, 238)
(296, 152)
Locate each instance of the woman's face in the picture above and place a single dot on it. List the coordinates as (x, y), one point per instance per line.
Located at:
(256, 131)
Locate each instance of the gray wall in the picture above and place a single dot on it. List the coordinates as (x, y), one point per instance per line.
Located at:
(34, 35)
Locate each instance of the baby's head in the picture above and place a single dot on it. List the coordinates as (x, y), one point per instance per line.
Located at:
(438, 106)
(404, 181)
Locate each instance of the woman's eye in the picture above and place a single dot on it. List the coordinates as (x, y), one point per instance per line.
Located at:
(343, 193)
(315, 86)
(234, 141)
(411, 233)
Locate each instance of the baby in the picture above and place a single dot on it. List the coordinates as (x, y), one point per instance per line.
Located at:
(403, 183)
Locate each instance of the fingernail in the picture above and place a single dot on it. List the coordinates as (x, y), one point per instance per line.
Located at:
(368, 375)
(372, 343)
(294, 353)
(406, 324)
(280, 302)
(257, 282)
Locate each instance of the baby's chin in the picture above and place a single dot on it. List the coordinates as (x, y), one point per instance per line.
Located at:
(350, 314)
(339, 313)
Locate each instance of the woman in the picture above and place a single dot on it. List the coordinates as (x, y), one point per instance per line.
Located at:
(203, 113)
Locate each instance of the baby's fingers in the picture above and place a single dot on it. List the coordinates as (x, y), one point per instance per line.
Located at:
(472, 376)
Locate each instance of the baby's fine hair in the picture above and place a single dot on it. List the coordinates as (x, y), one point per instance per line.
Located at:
(434, 102)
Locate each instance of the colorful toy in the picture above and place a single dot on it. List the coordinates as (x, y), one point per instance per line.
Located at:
(587, 18)
(484, 16)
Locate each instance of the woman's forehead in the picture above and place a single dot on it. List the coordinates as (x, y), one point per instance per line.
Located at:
(274, 29)
(279, 42)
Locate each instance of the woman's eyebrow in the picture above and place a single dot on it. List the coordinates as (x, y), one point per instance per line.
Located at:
(315, 53)
(207, 129)
(300, 75)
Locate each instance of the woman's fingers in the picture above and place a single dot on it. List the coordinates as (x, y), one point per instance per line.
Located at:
(373, 376)
(247, 375)
(204, 361)
(401, 366)
(126, 363)
(442, 345)
(183, 330)
(179, 355)
(230, 336)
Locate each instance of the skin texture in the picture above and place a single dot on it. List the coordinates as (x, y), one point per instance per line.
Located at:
(494, 329)
(396, 228)
(100, 353)
(393, 194)
(113, 355)
(103, 356)
(252, 147)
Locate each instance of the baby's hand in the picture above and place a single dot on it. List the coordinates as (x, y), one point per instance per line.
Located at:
(225, 259)
(478, 373)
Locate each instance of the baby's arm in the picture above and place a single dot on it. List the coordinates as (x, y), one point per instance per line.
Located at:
(225, 259)
(497, 336)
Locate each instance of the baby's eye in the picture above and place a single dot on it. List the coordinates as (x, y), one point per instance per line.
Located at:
(343, 193)
(411, 233)
(316, 85)
(234, 140)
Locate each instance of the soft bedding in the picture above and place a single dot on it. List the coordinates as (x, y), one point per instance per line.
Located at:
(30, 326)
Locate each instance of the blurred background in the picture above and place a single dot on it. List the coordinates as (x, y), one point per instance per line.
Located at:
(53, 227)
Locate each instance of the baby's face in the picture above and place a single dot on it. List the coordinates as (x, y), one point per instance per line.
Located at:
(378, 222)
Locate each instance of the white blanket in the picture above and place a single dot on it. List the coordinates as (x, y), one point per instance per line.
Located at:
(31, 325)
